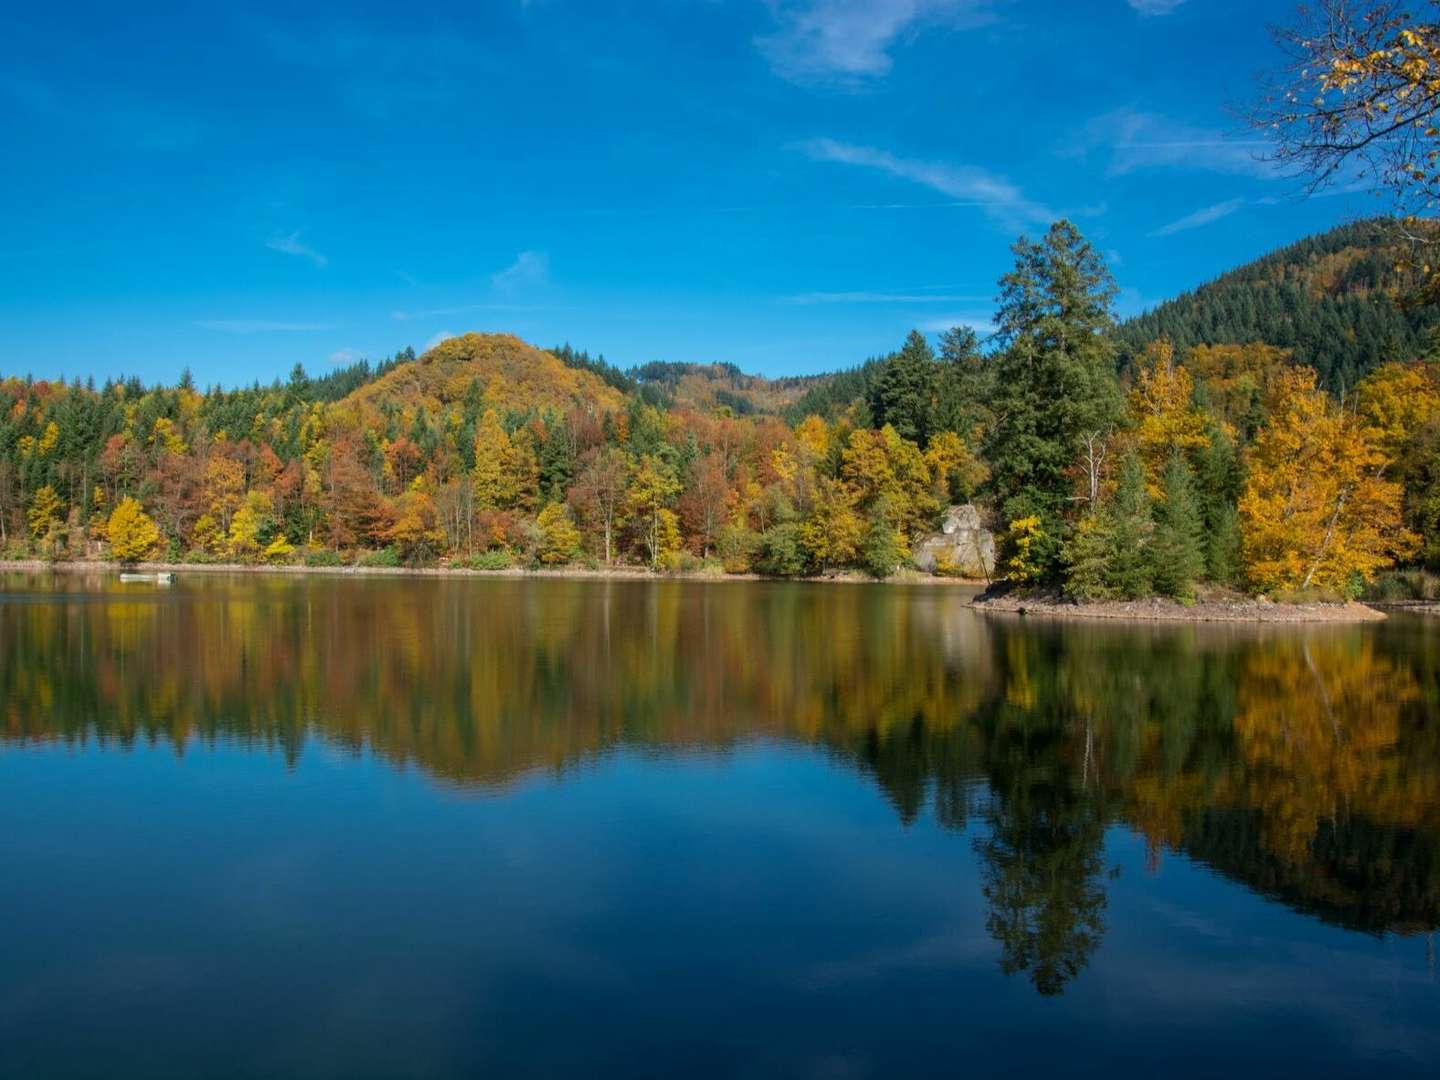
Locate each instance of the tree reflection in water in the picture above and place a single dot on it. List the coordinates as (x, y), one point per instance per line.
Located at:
(1303, 762)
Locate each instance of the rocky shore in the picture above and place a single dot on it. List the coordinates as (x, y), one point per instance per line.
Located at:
(1157, 609)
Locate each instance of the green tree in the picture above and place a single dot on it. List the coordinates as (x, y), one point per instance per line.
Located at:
(1178, 551)
(903, 393)
(1133, 528)
(883, 550)
(1055, 379)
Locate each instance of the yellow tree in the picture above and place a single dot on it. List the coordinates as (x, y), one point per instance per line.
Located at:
(1395, 401)
(494, 483)
(132, 534)
(1316, 509)
(224, 485)
(415, 529)
(248, 523)
(651, 488)
(558, 538)
(831, 533)
(954, 469)
(44, 512)
(1166, 419)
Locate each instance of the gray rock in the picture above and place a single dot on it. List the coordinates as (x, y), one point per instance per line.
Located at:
(962, 541)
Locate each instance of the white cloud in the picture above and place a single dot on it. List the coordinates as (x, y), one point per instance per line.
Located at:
(261, 326)
(879, 298)
(983, 325)
(1135, 140)
(1155, 7)
(290, 244)
(846, 42)
(443, 335)
(529, 268)
(459, 309)
(346, 355)
(1203, 216)
(974, 186)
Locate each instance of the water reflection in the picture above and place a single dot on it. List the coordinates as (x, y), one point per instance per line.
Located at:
(1303, 763)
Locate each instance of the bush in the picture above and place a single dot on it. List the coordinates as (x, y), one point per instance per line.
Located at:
(386, 558)
(780, 552)
(499, 559)
(323, 557)
(1404, 585)
(737, 547)
(201, 557)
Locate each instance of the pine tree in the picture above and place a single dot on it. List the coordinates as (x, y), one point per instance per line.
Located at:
(1178, 552)
(903, 393)
(1055, 380)
(1131, 534)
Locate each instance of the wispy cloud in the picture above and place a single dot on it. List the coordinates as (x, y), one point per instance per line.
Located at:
(346, 355)
(529, 268)
(1203, 216)
(879, 298)
(1155, 7)
(459, 309)
(848, 42)
(1134, 140)
(972, 185)
(984, 325)
(443, 335)
(262, 326)
(290, 244)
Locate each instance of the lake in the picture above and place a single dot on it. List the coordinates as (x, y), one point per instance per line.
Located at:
(284, 826)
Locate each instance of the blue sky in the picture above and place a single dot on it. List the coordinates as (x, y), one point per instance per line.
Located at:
(789, 185)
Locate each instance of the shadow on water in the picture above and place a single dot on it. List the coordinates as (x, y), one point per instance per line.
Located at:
(1301, 762)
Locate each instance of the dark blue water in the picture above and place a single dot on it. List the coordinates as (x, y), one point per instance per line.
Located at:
(303, 828)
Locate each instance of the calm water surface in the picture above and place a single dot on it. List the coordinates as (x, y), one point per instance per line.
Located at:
(267, 826)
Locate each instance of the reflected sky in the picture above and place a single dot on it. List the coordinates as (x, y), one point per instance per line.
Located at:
(318, 827)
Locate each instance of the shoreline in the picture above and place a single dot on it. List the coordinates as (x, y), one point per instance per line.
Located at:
(1151, 610)
(579, 573)
(1155, 609)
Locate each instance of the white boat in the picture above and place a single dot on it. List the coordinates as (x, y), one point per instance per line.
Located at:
(163, 578)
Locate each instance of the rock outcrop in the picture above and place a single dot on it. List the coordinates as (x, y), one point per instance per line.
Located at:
(962, 546)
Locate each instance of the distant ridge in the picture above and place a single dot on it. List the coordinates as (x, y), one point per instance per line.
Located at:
(1331, 298)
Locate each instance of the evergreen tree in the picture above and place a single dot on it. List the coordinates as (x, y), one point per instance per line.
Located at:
(965, 385)
(883, 550)
(1178, 552)
(1130, 562)
(1055, 381)
(902, 395)
(557, 462)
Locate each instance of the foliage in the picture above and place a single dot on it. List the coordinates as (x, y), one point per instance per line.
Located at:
(558, 539)
(132, 534)
(1328, 300)
(1178, 550)
(385, 558)
(1317, 509)
(1054, 382)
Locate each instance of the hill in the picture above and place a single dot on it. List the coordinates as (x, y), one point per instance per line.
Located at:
(1330, 298)
(509, 374)
(706, 387)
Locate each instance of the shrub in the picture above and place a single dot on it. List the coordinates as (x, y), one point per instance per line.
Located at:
(323, 557)
(499, 559)
(780, 552)
(1405, 585)
(386, 558)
